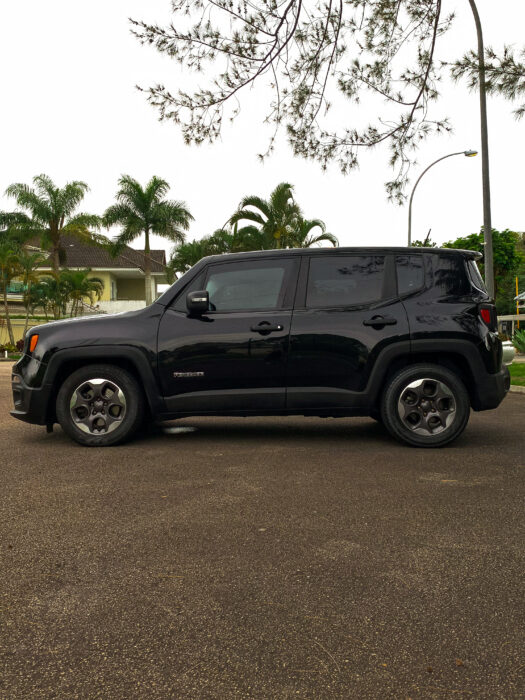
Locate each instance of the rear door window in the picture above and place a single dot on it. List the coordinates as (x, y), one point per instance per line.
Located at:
(350, 280)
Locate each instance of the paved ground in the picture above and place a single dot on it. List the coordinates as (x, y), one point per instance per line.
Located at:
(275, 558)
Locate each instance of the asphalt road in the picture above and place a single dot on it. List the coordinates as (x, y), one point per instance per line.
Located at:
(263, 558)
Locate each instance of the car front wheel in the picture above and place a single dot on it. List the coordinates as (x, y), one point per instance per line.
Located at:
(99, 405)
(425, 405)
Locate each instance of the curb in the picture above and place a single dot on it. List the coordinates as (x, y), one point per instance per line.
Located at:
(515, 389)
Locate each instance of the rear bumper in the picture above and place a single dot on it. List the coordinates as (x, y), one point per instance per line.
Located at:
(490, 390)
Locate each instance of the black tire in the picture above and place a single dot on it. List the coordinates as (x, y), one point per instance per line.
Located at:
(431, 412)
(119, 413)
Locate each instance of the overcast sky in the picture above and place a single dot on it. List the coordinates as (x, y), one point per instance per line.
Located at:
(70, 109)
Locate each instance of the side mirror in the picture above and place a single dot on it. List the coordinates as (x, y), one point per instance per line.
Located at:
(198, 303)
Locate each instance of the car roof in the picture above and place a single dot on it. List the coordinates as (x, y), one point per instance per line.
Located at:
(362, 250)
(170, 293)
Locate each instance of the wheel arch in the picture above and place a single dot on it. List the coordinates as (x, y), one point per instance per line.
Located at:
(65, 362)
(461, 357)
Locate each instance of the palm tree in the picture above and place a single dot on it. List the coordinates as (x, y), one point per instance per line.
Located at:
(50, 294)
(49, 214)
(145, 211)
(28, 264)
(186, 255)
(278, 223)
(303, 238)
(8, 270)
(77, 285)
(37, 297)
(276, 217)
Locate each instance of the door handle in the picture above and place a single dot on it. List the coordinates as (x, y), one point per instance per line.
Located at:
(265, 327)
(380, 321)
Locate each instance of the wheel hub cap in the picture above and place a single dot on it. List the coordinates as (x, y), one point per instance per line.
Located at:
(427, 406)
(97, 406)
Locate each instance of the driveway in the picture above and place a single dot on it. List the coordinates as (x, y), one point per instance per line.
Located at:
(263, 558)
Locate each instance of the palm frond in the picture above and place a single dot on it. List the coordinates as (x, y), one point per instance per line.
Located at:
(71, 196)
(170, 211)
(28, 199)
(156, 189)
(120, 213)
(306, 225)
(281, 196)
(13, 219)
(83, 220)
(127, 235)
(131, 194)
(248, 215)
(313, 240)
(258, 203)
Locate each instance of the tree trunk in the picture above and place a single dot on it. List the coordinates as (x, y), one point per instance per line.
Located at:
(55, 259)
(147, 269)
(7, 319)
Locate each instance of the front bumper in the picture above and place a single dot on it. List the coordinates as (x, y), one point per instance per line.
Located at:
(490, 389)
(31, 404)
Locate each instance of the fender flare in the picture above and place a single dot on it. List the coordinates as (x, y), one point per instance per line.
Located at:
(105, 353)
(466, 349)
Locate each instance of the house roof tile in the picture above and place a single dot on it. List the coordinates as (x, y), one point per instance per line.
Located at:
(78, 254)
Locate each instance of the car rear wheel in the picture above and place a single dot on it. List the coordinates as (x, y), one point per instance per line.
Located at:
(99, 405)
(425, 406)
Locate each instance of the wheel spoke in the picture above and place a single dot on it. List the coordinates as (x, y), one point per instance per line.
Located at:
(97, 406)
(426, 406)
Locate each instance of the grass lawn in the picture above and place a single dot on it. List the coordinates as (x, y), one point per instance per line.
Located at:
(517, 374)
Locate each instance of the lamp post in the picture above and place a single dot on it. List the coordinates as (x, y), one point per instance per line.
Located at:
(468, 154)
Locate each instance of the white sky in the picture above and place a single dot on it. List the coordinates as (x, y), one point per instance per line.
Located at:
(70, 109)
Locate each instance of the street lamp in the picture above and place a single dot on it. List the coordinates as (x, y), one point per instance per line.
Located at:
(468, 154)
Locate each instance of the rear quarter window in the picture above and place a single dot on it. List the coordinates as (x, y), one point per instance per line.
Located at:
(450, 276)
(475, 275)
(410, 273)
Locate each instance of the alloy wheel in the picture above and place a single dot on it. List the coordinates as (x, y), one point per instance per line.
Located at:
(427, 406)
(97, 406)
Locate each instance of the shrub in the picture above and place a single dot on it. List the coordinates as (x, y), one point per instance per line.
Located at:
(519, 340)
(7, 346)
(20, 345)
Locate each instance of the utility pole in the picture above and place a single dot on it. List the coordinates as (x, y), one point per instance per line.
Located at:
(485, 172)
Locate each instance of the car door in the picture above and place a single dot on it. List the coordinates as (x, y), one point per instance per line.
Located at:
(232, 358)
(347, 311)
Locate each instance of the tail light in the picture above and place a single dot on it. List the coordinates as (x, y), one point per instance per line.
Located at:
(487, 313)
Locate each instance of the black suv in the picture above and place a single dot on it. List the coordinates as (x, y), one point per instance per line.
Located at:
(404, 335)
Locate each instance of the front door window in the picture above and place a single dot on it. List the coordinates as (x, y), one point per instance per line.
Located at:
(246, 287)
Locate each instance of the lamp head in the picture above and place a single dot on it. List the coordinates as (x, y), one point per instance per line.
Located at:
(470, 154)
